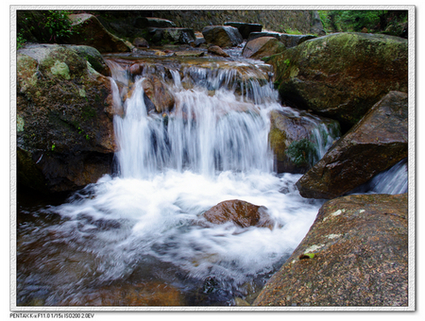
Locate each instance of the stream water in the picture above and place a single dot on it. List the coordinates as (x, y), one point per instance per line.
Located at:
(140, 234)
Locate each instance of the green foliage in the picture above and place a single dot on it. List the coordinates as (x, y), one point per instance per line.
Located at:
(302, 152)
(20, 40)
(57, 23)
(44, 26)
(359, 20)
(292, 31)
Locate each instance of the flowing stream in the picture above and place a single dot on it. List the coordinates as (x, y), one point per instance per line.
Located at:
(142, 230)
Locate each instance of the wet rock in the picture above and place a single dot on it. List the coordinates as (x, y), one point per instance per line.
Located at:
(158, 94)
(355, 254)
(93, 56)
(296, 139)
(141, 294)
(65, 136)
(341, 76)
(316, 24)
(241, 213)
(262, 47)
(216, 50)
(244, 28)
(222, 36)
(287, 39)
(375, 144)
(199, 39)
(136, 69)
(140, 42)
(162, 36)
(89, 31)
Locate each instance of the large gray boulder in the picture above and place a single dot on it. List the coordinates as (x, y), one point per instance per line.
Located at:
(355, 254)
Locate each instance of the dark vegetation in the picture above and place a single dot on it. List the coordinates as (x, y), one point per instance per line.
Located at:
(53, 26)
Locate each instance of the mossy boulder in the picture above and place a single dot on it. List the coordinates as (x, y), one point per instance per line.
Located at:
(355, 254)
(65, 135)
(376, 143)
(93, 56)
(341, 76)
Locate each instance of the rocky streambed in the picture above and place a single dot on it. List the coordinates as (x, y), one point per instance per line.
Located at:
(187, 179)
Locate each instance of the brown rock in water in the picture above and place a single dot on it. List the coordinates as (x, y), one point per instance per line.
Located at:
(355, 254)
(241, 213)
(136, 69)
(158, 94)
(216, 50)
(375, 144)
(262, 47)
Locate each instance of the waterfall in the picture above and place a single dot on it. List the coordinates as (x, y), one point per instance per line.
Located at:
(392, 181)
(145, 223)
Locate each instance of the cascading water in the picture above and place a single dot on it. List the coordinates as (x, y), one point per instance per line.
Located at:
(145, 224)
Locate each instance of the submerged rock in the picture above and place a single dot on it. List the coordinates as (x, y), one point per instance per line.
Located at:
(375, 144)
(262, 47)
(141, 294)
(222, 36)
(65, 134)
(341, 76)
(355, 254)
(241, 213)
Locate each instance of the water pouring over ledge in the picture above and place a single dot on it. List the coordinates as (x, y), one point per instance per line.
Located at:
(144, 225)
